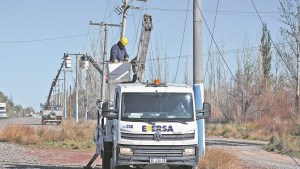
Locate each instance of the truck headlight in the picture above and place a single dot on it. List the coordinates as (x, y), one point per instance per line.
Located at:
(188, 151)
(126, 151)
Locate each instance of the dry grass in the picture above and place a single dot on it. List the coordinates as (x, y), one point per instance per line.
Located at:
(217, 158)
(67, 135)
(244, 131)
(287, 134)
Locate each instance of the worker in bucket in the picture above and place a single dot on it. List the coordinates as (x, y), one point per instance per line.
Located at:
(118, 51)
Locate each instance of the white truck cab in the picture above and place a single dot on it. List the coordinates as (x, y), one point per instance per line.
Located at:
(149, 124)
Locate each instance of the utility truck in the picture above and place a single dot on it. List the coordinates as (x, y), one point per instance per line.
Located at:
(141, 124)
(3, 113)
(51, 114)
(52, 111)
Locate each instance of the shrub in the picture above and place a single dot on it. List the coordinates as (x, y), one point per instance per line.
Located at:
(217, 158)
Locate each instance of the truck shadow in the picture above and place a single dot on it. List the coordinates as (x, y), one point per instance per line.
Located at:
(30, 166)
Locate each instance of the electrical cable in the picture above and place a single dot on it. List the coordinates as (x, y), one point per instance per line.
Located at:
(277, 50)
(87, 36)
(285, 65)
(231, 51)
(213, 31)
(46, 39)
(183, 35)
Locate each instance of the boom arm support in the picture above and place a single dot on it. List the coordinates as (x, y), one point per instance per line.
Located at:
(52, 86)
(140, 59)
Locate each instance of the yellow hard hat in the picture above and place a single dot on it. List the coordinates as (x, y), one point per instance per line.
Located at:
(124, 41)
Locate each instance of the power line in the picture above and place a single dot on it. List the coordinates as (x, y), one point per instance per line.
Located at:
(215, 19)
(258, 14)
(277, 50)
(231, 51)
(183, 34)
(46, 39)
(212, 11)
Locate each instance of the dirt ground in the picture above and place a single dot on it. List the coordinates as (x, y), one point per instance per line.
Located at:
(250, 153)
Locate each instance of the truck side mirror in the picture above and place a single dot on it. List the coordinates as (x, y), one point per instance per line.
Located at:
(107, 110)
(205, 113)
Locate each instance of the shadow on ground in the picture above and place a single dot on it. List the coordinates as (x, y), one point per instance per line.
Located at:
(34, 166)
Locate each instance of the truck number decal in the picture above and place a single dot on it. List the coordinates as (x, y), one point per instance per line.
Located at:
(127, 126)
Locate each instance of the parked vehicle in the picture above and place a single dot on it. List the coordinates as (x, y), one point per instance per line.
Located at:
(3, 113)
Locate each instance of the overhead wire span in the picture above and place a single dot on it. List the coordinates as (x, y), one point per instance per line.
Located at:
(231, 51)
(87, 36)
(183, 35)
(209, 50)
(277, 50)
(46, 39)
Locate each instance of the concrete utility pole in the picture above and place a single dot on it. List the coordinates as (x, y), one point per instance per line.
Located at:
(76, 94)
(198, 71)
(65, 96)
(86, 97)
(77, 56)
(125, 7)
(104, 53)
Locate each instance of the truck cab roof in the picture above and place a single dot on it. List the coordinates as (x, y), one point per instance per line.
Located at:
(149, 87)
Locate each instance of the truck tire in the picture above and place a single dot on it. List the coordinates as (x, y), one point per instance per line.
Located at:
(107, 154)
(186, 167)
(191, 167)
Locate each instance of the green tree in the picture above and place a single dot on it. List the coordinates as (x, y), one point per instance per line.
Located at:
(265, 53)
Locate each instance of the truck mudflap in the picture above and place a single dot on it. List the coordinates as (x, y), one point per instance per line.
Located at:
(146, 155)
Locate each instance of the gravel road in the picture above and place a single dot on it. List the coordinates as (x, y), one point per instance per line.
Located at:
(250, 153)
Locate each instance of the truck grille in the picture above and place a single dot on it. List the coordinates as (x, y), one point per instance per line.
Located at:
(165, 137)
(158, 151)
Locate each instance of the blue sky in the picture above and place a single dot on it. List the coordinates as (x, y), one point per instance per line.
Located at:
(34, 34)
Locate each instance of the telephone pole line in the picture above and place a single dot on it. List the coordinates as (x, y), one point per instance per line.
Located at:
(198, 71)
(105, 25)
(124, 21)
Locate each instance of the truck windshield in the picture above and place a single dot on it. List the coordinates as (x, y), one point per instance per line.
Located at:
(157, 107)
(2, 108)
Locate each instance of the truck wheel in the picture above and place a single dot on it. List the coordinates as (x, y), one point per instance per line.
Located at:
(193, 167)
(107, 154)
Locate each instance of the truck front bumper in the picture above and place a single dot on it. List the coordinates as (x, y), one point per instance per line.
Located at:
(172, 155)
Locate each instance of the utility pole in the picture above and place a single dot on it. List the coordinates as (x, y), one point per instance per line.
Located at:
(125, 7)
(77, 56)
(105, 25)
(76, 94)
(86, 97)
(70, 102)
(65, 96)
(198, 71)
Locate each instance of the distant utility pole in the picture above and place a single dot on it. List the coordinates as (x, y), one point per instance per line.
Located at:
(105, 25)
(198, 71)
(65, 93)
(77, 56)
(86, 97)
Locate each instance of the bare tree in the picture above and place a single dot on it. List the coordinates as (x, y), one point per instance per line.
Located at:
(290, 17)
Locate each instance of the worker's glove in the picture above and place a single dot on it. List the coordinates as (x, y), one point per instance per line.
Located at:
(116, 61)
(126, 60)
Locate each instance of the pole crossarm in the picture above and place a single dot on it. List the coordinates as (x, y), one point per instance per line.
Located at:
(105, 24)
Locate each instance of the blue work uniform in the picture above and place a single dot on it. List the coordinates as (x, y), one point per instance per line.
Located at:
(118, 52)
